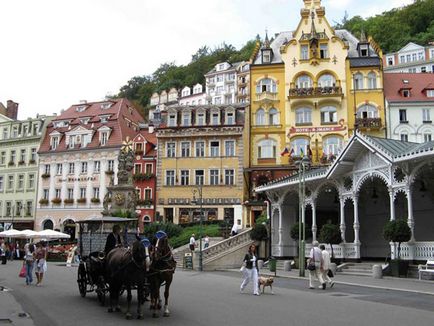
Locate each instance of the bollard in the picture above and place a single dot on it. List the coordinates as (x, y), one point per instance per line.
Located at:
(287, 265)
(260, 263)
(377, 271)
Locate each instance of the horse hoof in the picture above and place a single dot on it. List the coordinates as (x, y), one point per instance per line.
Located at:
(110, 310)
(128, 316)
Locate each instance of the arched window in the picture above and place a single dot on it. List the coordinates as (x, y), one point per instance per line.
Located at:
(260, 117)
(266, 85)
(48, 224)
(300, 146)
(367, 111)
(146, 219)
(273, 117)
(304, 81)
(372, 80)
(267, 148)
(326, 80)
(329, 114)
(358, 81)
(303, 115)
(332, 145)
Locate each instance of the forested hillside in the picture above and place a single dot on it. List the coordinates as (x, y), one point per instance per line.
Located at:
(391, 30)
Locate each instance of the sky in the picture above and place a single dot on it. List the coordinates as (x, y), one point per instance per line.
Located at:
(58, 53)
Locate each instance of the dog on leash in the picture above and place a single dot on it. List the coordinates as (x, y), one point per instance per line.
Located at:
(265, 281)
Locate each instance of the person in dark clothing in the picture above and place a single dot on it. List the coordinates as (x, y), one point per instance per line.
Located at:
(113, 239)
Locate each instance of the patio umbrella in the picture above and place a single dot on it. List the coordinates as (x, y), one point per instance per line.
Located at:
(28, 233)
(11, 233)
(51, 234)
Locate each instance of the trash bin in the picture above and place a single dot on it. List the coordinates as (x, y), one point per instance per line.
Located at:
(272, 264)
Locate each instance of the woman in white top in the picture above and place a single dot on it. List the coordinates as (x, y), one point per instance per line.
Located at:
(251, 270)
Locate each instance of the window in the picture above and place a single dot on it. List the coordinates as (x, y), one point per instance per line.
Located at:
(10, 182)
(170, 149)
(3, 157)
(96, 166)
(55, 143)
(426, 116)
(214, 177)
(273, 117)
(219, 78)
(267, 148)
(372, 80)
(304, 81)
(358, 81)
(200, 119)
(111, 165)
(430, 93)
(323, 51)
(5, 133)
(266, 85)
(260, 117)
(170, 178)
(403, 116)
(304, 55)
(186, 119)
(185, 177)
(332, 145)
(29, 208)
(214, 118)
(329, 114)
(47, 169)
(423, 69)
(20, 181)
(148, 168)
(367, 111)
(71, 142)
(219, 90)
(326, 80)
(104, 138)
(406, 93)
(8, 208)
(22, 155)
(230, 118)
(200, 149)
(95, 192)
(214, 149)
(404, 137)
(82, 193)
(172, 120)
(13, 156)
(1, 184)
(185, 149)
(229, 177)
(229, 148)
(57, 193)
(18, 208)
(303, 116)
(33, 155)
(83, 167)
(31, 181)
(408, 58)
(46, 194)
(59, 168)
(15, 132)
(137, 168)
(427, 137)
(402, 59)
(413, 57)
(199, 177)
(70, 193)
(390, 61)
(300, 146)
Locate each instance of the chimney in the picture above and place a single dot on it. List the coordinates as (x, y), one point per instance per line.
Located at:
(12, 110)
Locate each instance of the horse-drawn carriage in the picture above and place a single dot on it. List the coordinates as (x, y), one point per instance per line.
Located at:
(140, 267)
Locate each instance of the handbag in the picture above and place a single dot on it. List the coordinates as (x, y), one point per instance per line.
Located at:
(311, 263)
(330, 273)
(23, 271)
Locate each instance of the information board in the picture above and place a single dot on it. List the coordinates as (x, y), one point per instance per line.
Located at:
(188, 261)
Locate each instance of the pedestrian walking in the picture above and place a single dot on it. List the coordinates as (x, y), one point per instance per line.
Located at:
(206, 240)
(251, 270)
(234, 230)
(315, 257)
(29, 250)
(3, 252)
(192, 242)
(11, 251)
(17, 250)
(326, 265)
(41, 262)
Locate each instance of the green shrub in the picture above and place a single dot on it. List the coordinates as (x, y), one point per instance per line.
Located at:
(397, 231)
(294, 231)
(259, 232)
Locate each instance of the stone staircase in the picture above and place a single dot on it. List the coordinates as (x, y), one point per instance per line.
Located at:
(357, 269)
(179, 252)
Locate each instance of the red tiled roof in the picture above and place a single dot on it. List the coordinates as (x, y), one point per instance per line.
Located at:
(120, 112)
(418, 83)
(151, 139)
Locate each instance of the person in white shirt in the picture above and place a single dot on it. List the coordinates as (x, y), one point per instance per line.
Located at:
(234, 230)
(326, 265)
(192, 242)
(316, 257)
(206, 240)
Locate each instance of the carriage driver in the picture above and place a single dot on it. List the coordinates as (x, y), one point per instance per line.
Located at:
(113, 239)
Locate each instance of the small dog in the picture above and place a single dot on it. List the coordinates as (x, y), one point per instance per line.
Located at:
(266, 281)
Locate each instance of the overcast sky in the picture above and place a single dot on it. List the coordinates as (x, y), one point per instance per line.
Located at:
(56, 53)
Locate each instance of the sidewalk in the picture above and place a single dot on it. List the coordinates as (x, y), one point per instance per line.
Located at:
(386, 283)
(11, 312)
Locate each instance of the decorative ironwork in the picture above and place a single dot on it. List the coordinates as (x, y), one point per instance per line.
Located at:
(368, 122)
(315, 91)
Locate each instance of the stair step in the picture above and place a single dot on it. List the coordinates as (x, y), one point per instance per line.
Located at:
(354, 273)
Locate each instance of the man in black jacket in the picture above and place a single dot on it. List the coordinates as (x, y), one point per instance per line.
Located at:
(113, 239)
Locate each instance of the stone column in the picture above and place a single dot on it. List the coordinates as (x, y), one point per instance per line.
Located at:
(392, 204)
(356, 226)
(342, 217)
(410, 214)
(314, 226)
(280, 232)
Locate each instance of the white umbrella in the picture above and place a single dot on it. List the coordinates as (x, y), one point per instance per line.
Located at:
(51, 234)
(28, 233)
(11, 233)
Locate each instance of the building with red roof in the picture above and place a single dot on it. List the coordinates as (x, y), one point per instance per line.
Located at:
(78, 160)
(409, 106)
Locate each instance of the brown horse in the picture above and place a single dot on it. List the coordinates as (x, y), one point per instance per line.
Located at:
(127, 268)
(162, 268)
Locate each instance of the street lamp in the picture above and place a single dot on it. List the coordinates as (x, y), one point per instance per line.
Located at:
(303, 165)
(199, 191)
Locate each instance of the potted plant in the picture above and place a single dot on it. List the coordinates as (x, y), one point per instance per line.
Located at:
(294, 236)
(330, 234)
(21, 163)
(68, 201)
(81, 200)
(32, 162)
(56, 201)
(95, 200)
(45, 175)
(109, 172)
(43, 201)
(397, 231)
(11, 163)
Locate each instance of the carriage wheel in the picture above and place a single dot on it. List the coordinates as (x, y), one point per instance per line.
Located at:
(81, 280)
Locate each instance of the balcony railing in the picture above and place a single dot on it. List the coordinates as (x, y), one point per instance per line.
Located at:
(368, 122)
(315, 91)
(266, 96)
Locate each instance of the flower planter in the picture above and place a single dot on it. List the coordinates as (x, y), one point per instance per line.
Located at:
(45, 175)
(109, 172)
(95, 200)
(81, 200)
(56, 201)
(43, 201)
(68, 201)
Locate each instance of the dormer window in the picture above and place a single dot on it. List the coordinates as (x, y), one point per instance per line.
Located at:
(406, 93)
(84, 121)
(105, 106)
(71, 141)
(54, 142)
(104, 138)
(172, 120)
(104, 118)
(186, 119)
(267, 55)
(215, 118)
(430, 93)
(230, 118)
(200, 119)
(80, 108)
(364, 50)
(221, 66)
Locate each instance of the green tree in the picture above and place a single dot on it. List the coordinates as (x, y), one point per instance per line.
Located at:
(330, 234)
(397, 231)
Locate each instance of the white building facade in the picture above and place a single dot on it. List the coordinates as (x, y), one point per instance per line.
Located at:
(193, 97)
(221, 83)
(412, 58)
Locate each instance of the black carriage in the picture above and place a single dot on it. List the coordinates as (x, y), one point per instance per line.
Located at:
(92, 237)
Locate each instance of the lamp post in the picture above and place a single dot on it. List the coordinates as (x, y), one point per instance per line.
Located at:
(199, 191)
(303, 165)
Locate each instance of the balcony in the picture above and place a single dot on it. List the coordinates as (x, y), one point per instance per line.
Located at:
(369, 123)
(266, 97)
(315, 92)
